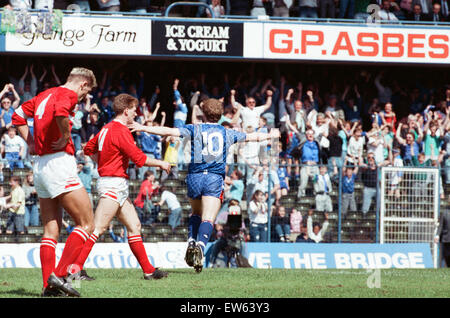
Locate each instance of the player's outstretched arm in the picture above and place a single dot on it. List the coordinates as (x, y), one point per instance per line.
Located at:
(155, 130)
(150, 162)
(259, 136)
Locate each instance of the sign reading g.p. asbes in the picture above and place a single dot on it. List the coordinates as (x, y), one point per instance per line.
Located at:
(347, 43)
(197, 38)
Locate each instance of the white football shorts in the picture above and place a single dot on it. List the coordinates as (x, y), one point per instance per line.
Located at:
(114, 188)
(55, 174)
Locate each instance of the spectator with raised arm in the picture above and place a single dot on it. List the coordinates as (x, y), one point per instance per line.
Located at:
(315, 231)
(410, 146)
(355, 147)
(28, 90)
(9, 101)
(433, 132)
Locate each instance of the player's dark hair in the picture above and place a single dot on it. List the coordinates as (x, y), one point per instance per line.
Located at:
(212, 109)
(122, 102)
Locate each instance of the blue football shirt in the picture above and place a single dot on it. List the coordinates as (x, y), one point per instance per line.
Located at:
(209, 146)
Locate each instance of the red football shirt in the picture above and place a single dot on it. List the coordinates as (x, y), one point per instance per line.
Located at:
(115, 147)
(44, 108)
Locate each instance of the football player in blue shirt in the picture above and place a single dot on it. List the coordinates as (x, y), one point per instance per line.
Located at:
(205, 180)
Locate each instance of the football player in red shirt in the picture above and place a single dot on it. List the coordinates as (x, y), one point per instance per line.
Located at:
(55, 175)
(113, 148)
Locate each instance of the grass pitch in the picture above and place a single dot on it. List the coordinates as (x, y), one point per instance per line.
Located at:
(242, 283)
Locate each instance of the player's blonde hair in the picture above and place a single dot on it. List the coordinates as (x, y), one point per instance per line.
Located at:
(212, 109)
(122, 102)
(84, 73)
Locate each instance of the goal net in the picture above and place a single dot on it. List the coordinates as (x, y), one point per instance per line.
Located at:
(409, 206)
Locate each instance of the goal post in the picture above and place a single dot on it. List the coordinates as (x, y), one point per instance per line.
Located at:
(409, 206)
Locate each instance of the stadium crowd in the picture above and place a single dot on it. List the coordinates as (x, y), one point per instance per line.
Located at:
(337, 122)
(388, 10)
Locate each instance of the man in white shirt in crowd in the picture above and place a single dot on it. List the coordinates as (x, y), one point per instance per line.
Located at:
(250, 114)
(168, 196)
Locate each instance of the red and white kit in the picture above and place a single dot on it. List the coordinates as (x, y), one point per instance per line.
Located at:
(115, 147)
(55, 171)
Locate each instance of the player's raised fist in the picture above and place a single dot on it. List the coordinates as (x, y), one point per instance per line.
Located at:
(269, 93)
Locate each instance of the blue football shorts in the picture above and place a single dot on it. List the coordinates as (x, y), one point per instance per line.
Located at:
(204, 184)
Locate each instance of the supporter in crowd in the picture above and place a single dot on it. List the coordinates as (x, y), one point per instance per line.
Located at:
(235, 186)
(168, 196)
(10, 101)
(16, 207)
(410, 147)
(27, 90)
(303, 237)
(348, 189)
(386, 11)
(355, 148)
(91, 126)
(323, 188)
(283, 177)
(281, 224)
(315, 231)
(436, 14)
(296, 219)
(85, 174)
(13, 147)
(143, 199)
(258, 215)
(31, 217)
(417, 14)
(217, 8)
(310, 156)
(369, 176)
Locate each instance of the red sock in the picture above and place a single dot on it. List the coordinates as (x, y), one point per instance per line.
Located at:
(72, 249)
(47, 255)
(138, 249)
(81, 259)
